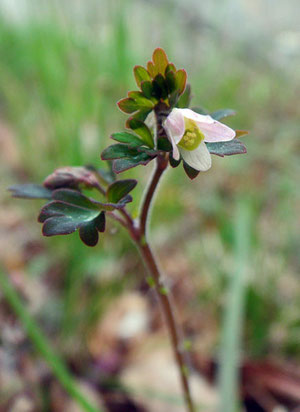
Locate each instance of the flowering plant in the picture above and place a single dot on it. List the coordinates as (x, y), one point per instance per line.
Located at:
(160, 128)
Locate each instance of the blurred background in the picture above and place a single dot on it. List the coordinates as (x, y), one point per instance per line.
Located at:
(228, 241)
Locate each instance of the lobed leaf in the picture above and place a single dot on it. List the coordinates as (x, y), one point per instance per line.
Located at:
(222, 149)
(143, 102)
(128, 138)
(171, 81)
(127, 105)
(152, 69)
(135, 95)
(170, 68)
(57, 225)
(180, 78)
(142, 130)
(89, 234)
(70, 210)
(136, 101)
(141, 114)
(119, 189)
(74, 197)
(117, 151)
(147, 89)
(140, 74)
(160, 60)
(160, 87)
(100, 222)
(120, 165)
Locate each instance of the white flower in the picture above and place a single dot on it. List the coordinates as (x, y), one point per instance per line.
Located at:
(188, 130)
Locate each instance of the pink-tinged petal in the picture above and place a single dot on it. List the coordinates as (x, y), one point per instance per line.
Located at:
(174, 126)
(216, 132)
(198, 159)
(213, 130)
(196, 117)
(175, 154)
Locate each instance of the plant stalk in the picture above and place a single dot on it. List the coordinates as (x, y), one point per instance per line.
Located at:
(166, 306)
(160, 288)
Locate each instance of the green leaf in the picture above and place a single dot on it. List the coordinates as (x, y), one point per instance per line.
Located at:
(117, 151)
(191, 173)
(180, 79)
(119, 189)
(160, 87)
(135, 94)
(74, 214)
(128, 105)
(30, 191)
(78, 199)
(171, 81)
(120, 151)
(222, 149)
(71, 210)
(89, 234)
(140, 74)
(220, 114)
(142, 101)
(142, 130)
(200, 110)
(170, 68)
(120, 165)
(100, 222)
(147, 89)
(160, 60)
(128, 138)
(69, 216)
(152, 69)
(164, 144)
(141, 114)
(75, 198)
(185, 98)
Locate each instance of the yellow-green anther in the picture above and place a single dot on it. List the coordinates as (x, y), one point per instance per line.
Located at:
(192, 136)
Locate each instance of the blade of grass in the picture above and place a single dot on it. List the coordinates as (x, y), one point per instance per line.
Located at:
(42, 345)
(233, 317)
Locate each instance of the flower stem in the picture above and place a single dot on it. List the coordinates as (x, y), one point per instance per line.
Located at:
(161, 165)
(166, 307)
(161, 290)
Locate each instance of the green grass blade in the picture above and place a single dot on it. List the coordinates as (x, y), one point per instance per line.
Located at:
(42, 345)
(233, 317)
